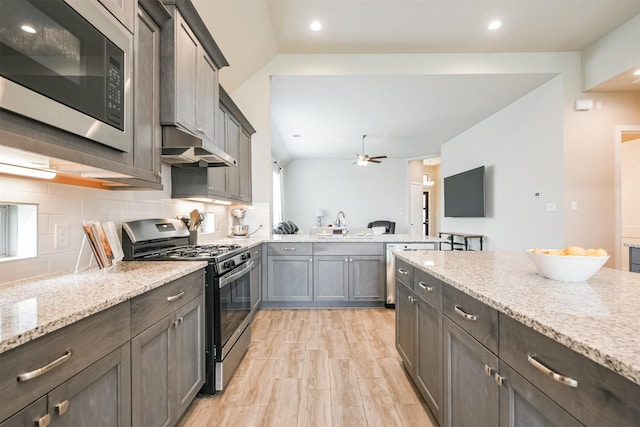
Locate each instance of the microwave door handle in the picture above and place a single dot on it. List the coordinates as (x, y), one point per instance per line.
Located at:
(225, 280)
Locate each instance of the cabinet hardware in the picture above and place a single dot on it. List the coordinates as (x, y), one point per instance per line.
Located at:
(412, 299)
(489, 370)
(175, 297)
(201, 130)
(178, 322)
(310, 259)
(44, 421)
(40, 371)
(464, 314)
(290, 249)
(425, 287)
(62, 407)
(499, 379)
(568, 381)
(403, 271)
(346, 260)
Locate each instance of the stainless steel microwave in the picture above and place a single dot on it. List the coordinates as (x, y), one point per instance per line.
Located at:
(68, 63)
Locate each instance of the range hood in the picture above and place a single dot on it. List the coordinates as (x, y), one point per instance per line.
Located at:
(181, 146)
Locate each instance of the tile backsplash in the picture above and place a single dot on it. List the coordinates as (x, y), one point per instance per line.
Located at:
(70, 205)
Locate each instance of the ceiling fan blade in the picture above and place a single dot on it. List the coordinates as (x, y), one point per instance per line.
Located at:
(378, 157)
(371, 160)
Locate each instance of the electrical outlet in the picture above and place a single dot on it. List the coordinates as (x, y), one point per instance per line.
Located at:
(551, 207)
(574, 206)
(61, 233)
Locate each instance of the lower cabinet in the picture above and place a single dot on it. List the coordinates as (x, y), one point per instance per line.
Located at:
(471, 373)
(366, 278)
(330, 278)
(98, 395)
(471, 395)
(634, 260)
(290, 278)
(168, 366)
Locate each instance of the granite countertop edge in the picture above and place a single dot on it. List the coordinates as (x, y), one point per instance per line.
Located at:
(620, 365)
(70, 295)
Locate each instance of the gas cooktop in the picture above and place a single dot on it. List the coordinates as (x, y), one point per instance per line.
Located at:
(188, 252)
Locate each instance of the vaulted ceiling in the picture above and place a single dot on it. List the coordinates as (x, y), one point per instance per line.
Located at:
(404, 116)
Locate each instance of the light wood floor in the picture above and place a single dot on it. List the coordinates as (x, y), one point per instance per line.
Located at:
(317, 368)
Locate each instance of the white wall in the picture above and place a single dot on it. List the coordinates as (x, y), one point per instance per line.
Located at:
(65, 204)
(364, 194)
(615, 53)
(521, 149)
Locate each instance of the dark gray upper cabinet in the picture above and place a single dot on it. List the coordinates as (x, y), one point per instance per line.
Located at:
(147, 133)
(244, 167)
(189, 79)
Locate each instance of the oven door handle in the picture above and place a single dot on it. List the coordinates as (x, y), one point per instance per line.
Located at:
(225, 280)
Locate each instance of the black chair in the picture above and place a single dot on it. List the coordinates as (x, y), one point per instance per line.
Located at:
(389, 226)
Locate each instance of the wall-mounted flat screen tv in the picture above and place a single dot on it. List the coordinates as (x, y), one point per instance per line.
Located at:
(464, 194)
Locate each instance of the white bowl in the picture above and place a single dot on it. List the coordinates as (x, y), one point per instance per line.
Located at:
(568, 268)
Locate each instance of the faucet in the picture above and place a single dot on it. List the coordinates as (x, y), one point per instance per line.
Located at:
(341, 220)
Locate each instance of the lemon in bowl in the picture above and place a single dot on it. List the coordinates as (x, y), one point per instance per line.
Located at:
(571, 264)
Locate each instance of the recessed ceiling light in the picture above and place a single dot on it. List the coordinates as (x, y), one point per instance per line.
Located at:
(296, 135)
(28, 29)
(494, 25)
(637, 72)
(315, 26)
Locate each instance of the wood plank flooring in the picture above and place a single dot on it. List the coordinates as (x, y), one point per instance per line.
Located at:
(317, 368)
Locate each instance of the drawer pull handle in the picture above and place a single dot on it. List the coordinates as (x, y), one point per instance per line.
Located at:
(44, 421)
(489, 370)
(425, 287)
(62, 407)
(175, 297)
(412, 299)
(290, 249)
(464, 314)
(403, 271)
(568, 381)
(41, 371)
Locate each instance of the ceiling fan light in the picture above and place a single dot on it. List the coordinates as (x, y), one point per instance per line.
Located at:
(361, 162)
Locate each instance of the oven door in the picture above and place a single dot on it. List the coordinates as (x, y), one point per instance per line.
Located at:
(234, 305)
(67, 63)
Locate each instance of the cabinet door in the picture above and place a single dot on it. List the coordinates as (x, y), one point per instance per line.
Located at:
(244, 166)
(97, 396)
(217, 177)
(147, 137)
(290, 278)
(186, 63)
(35, 414)
(330, 277)
(189, 353)
(522, 404)
(428, 361)
(366, 278)
(206, 97)
(233, 149)
(470, 391)
(406, 326)
(152, 361)
(256, 285)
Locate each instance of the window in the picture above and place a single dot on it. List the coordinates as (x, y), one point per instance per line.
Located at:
(18, 231)
(277, 194)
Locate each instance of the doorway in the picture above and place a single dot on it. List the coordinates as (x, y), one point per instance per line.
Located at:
(627, 188)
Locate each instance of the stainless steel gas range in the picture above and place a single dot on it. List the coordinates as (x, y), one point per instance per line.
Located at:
(227, 289)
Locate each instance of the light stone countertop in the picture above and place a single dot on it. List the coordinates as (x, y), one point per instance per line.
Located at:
(355, 238)
(597, 318)
(32, 308)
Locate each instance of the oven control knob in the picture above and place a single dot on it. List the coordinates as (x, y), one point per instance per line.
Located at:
(245, 256)
(229, 264)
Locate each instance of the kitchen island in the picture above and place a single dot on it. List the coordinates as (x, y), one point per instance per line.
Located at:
(519, 324)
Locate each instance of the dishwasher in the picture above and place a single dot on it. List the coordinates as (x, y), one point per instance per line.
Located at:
(391, 263)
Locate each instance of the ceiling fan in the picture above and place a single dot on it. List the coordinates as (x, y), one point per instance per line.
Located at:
(364, 159)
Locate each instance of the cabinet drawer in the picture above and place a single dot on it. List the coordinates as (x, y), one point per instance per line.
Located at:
(348, 249)
(404, 272)
(148, 308)
(293, 248)
(256, 253)
(74, 347)
(475, 317)
(428, 288)
(601, 398)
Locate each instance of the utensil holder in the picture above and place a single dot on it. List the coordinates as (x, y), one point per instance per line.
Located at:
(193, 237)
